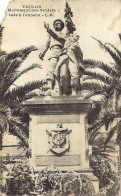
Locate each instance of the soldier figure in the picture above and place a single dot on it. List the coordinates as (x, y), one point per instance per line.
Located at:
(66, 57)
(56, 43)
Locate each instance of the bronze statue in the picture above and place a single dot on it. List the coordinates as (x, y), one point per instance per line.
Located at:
(55, 44)
(66, 57)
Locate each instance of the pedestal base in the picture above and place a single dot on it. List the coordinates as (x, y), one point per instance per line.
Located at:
(58, 133)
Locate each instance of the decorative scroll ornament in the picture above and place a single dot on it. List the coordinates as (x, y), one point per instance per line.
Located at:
(59, 140)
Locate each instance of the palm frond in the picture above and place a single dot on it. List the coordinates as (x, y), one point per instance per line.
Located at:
(94, 112)
(94, 84)
(14, 75)
(18, 131)
(113, 54)
(118, 51)
(109, 160)
(1, 33)
(112, 131)
(90, 94)
(92, 137)
(10, 62)
(110, 147)
(111, 70)
(3, 122)
(9, 67)
(22, 126)
(95, 136)
(27, 96)
(119, 35)
(110, 151)
(5, 77)
(17, 74)
(103, 77)
(17, 93)
(19, 111)
(13, 60)
(16, 63)
(3, 166)
(2, 53)
(97, 125)
(22, 53)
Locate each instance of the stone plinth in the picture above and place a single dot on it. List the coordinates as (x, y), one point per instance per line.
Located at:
(67, 150)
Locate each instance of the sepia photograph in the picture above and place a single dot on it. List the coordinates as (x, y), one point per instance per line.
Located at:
(60, 98)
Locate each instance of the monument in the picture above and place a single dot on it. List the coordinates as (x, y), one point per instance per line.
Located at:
(58, 129)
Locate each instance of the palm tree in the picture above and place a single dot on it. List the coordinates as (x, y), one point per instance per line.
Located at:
(11, 111)
(104, 82)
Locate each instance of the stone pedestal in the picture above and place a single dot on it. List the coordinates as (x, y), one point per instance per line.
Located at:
(69, 149)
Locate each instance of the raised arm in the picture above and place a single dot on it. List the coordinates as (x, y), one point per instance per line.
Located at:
(54, 35)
